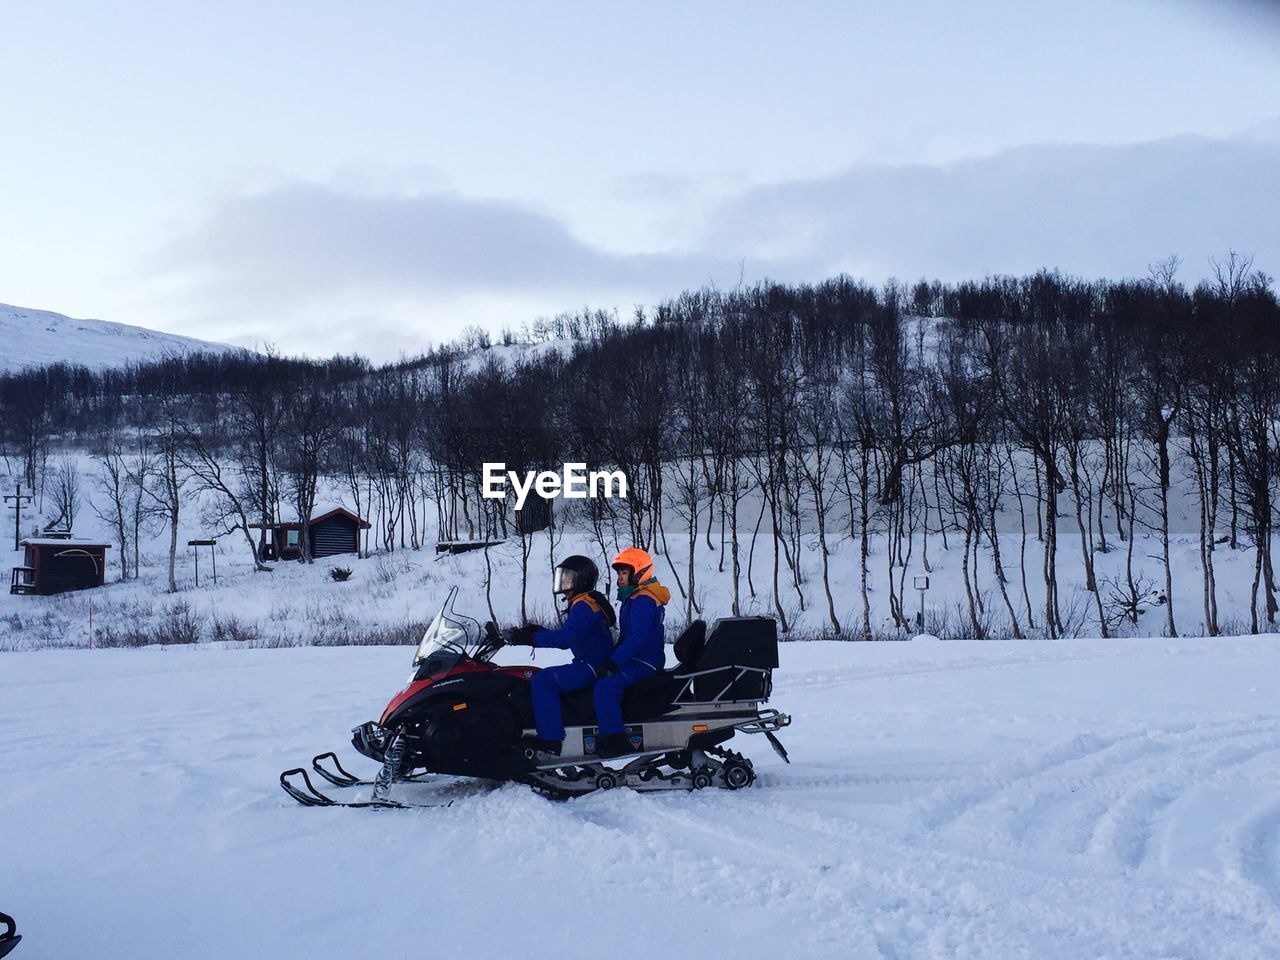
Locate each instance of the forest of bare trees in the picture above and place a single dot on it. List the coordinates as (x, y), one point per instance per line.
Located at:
(756, 427)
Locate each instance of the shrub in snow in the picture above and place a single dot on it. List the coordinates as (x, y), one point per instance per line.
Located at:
(340, 574)
(179, 625)
(234, 629)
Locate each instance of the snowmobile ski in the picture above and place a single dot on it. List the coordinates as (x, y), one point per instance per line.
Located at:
(340, 776)
(309, 796)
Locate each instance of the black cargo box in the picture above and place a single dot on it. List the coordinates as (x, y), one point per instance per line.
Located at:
(740, 653)
(741, 642)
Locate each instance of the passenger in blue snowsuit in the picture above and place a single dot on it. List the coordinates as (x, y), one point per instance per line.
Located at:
(584, 632)
(641, 646)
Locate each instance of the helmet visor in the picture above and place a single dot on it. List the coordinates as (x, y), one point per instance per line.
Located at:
(566, 581)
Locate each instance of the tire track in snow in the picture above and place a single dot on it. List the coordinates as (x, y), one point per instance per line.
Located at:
(942, 811)
(783, 779)
(1077, 765)
(1257, 852)
(920, 898)
(1107, 815)
(840, 927)
(1124, 830)
(1030, 885)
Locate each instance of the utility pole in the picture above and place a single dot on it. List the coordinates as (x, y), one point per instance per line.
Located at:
(17, 497)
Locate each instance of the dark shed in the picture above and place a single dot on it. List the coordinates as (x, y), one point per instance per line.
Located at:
(331, 532)
(54, 565)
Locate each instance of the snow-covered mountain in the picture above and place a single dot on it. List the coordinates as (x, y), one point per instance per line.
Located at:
(36, 337)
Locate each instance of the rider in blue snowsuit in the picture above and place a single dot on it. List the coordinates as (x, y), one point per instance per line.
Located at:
(584, 632)
(640, 652)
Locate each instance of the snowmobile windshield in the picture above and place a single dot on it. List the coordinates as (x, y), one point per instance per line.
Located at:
(450, 637)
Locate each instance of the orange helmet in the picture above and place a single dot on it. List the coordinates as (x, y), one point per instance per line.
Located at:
(638, 560)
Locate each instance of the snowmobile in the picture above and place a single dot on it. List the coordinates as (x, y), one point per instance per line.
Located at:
(462, 715)
(10, 938)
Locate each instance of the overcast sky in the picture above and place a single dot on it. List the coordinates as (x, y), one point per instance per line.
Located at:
(375, 176)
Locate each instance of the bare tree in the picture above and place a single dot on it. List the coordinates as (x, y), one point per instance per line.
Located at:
(167, 487)
(229, 493)
(309, 426)
(114, 485)
(64, 495)
(141, 470)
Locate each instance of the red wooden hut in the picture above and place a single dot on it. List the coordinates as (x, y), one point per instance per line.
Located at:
(56, 565)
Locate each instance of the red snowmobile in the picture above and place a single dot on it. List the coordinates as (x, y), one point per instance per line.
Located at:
(462, 715)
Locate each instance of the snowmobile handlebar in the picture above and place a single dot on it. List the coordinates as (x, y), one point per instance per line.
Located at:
(490, 643)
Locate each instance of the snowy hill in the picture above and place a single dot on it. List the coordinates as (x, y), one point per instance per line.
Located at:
(509, 355)
(36, 337)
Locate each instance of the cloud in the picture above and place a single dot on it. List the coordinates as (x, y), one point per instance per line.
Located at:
(1089, 210)
(347, 266)
(309, 241)
(1246, 14)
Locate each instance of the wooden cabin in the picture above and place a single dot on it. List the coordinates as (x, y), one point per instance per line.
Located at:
(331, 531)
(57, 564)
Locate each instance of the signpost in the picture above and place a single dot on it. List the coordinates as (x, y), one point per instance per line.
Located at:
(922, 584)
(195, 546)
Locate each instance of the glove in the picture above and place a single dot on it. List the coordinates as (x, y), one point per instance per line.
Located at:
(606, 669)
(519, 636)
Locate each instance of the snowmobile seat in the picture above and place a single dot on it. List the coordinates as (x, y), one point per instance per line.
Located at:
(733, 661)
(652, 696)
(646, 699)
(718, 655)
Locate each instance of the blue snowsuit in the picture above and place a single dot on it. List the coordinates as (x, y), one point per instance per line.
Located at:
(585, 632)
(640, 652)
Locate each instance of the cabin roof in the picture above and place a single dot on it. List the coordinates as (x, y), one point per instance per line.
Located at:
(56, 542)
(322, 512)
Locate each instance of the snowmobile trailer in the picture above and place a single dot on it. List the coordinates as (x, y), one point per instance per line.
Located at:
(462, 715)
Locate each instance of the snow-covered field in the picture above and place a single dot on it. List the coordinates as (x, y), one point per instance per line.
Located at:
(1070, 799)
